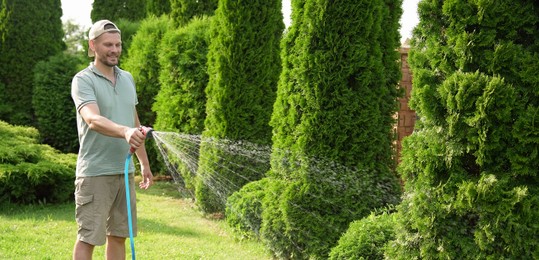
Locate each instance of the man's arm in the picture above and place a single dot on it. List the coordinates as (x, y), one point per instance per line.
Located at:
(92, 116)
(147, 176)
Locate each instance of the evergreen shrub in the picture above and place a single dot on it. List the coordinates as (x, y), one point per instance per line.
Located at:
(182, 11)
(30, 31)
(471, 167)
(181, 102)
(31, 172)
(332, 125)
(143, 63)
(366, 238)
(53, 106)
(244, 208)
(243, 68)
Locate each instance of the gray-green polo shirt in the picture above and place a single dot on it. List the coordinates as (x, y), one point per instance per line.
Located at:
(100, 154)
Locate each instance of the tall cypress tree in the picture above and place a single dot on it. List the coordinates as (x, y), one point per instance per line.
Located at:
(332, 125)
(183, 10)
(113, 10)
(243, 68)
(157, 7)
(30, 31)
(471, 169)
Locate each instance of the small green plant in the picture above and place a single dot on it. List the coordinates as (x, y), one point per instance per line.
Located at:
(366, 238)
(32, 172)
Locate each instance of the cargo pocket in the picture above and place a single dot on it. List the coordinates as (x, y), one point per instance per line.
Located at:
(84, 211)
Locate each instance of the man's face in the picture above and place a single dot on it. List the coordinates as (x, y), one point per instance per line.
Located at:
(107, 48)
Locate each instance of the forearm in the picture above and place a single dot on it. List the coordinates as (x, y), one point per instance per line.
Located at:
(106, 127)
(143, 157)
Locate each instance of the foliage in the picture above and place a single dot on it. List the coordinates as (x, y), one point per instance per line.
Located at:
(243, 68)
(332, 124)
(75, 38)
(114, 10)
(244, 208)
(184, 10)
(143, 63)
(30, 31)
(32, 172)
(471, 169)
(54, 109)
(366, 238)
(181, 101)
(129, 30)
(157, 7)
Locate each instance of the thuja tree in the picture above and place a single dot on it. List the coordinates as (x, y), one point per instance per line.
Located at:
(180, 105)
(113, 10)
(182, 11)
(243, 68)
(54, 110)
(30, 31)
(471, 167)
(157, 7)
(143, 63)
(332, 126)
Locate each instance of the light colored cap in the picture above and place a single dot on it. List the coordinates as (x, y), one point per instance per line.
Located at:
(99, 28)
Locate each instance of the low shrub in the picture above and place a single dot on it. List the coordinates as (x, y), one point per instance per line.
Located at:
(366, 238)
(244, 209)
(31, 172)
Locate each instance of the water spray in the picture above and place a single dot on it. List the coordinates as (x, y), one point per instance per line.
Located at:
(146, 131)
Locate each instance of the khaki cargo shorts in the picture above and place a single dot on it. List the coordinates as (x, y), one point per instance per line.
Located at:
(101, 208)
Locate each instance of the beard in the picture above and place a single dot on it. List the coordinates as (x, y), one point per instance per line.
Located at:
(109, 61)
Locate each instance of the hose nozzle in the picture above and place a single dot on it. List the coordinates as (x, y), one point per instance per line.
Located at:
(146, 131)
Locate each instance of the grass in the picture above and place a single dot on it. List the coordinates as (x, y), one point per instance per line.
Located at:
(169, 228)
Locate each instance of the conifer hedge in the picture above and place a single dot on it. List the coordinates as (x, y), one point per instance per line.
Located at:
(54, 110)
(30, 31)
(332, 125)
(182, 11)
(114, 10)
(243, 68)
(143, 63)
(31, 172)
(471, 167)
(181, 102)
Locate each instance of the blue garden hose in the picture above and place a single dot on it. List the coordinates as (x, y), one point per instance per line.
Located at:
(128, 199)
(147, 132)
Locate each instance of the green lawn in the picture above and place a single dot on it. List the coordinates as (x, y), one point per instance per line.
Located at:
(169, 228)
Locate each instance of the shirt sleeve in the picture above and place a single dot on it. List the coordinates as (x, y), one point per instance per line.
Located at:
(82, 92)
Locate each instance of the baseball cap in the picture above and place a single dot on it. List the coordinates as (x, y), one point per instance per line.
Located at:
(100, 27)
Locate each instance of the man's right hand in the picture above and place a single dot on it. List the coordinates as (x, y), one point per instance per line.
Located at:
(134, 137)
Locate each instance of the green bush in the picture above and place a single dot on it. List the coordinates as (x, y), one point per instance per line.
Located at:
(31, 172)
(366, 238)
(54, 109)
(244, 208)
(181, 102)
(332, 125)
(471, 166)
(129, 30)
(182, 11)
(30, 31)
(243, 68)
(114, 10)
(143, 63)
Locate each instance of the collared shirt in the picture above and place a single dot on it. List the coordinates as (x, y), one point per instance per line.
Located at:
(100, 154)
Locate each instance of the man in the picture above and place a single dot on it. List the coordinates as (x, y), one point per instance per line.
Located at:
(107, 123)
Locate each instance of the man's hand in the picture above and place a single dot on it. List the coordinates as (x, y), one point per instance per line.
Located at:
(134, 137)
(147, 178)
